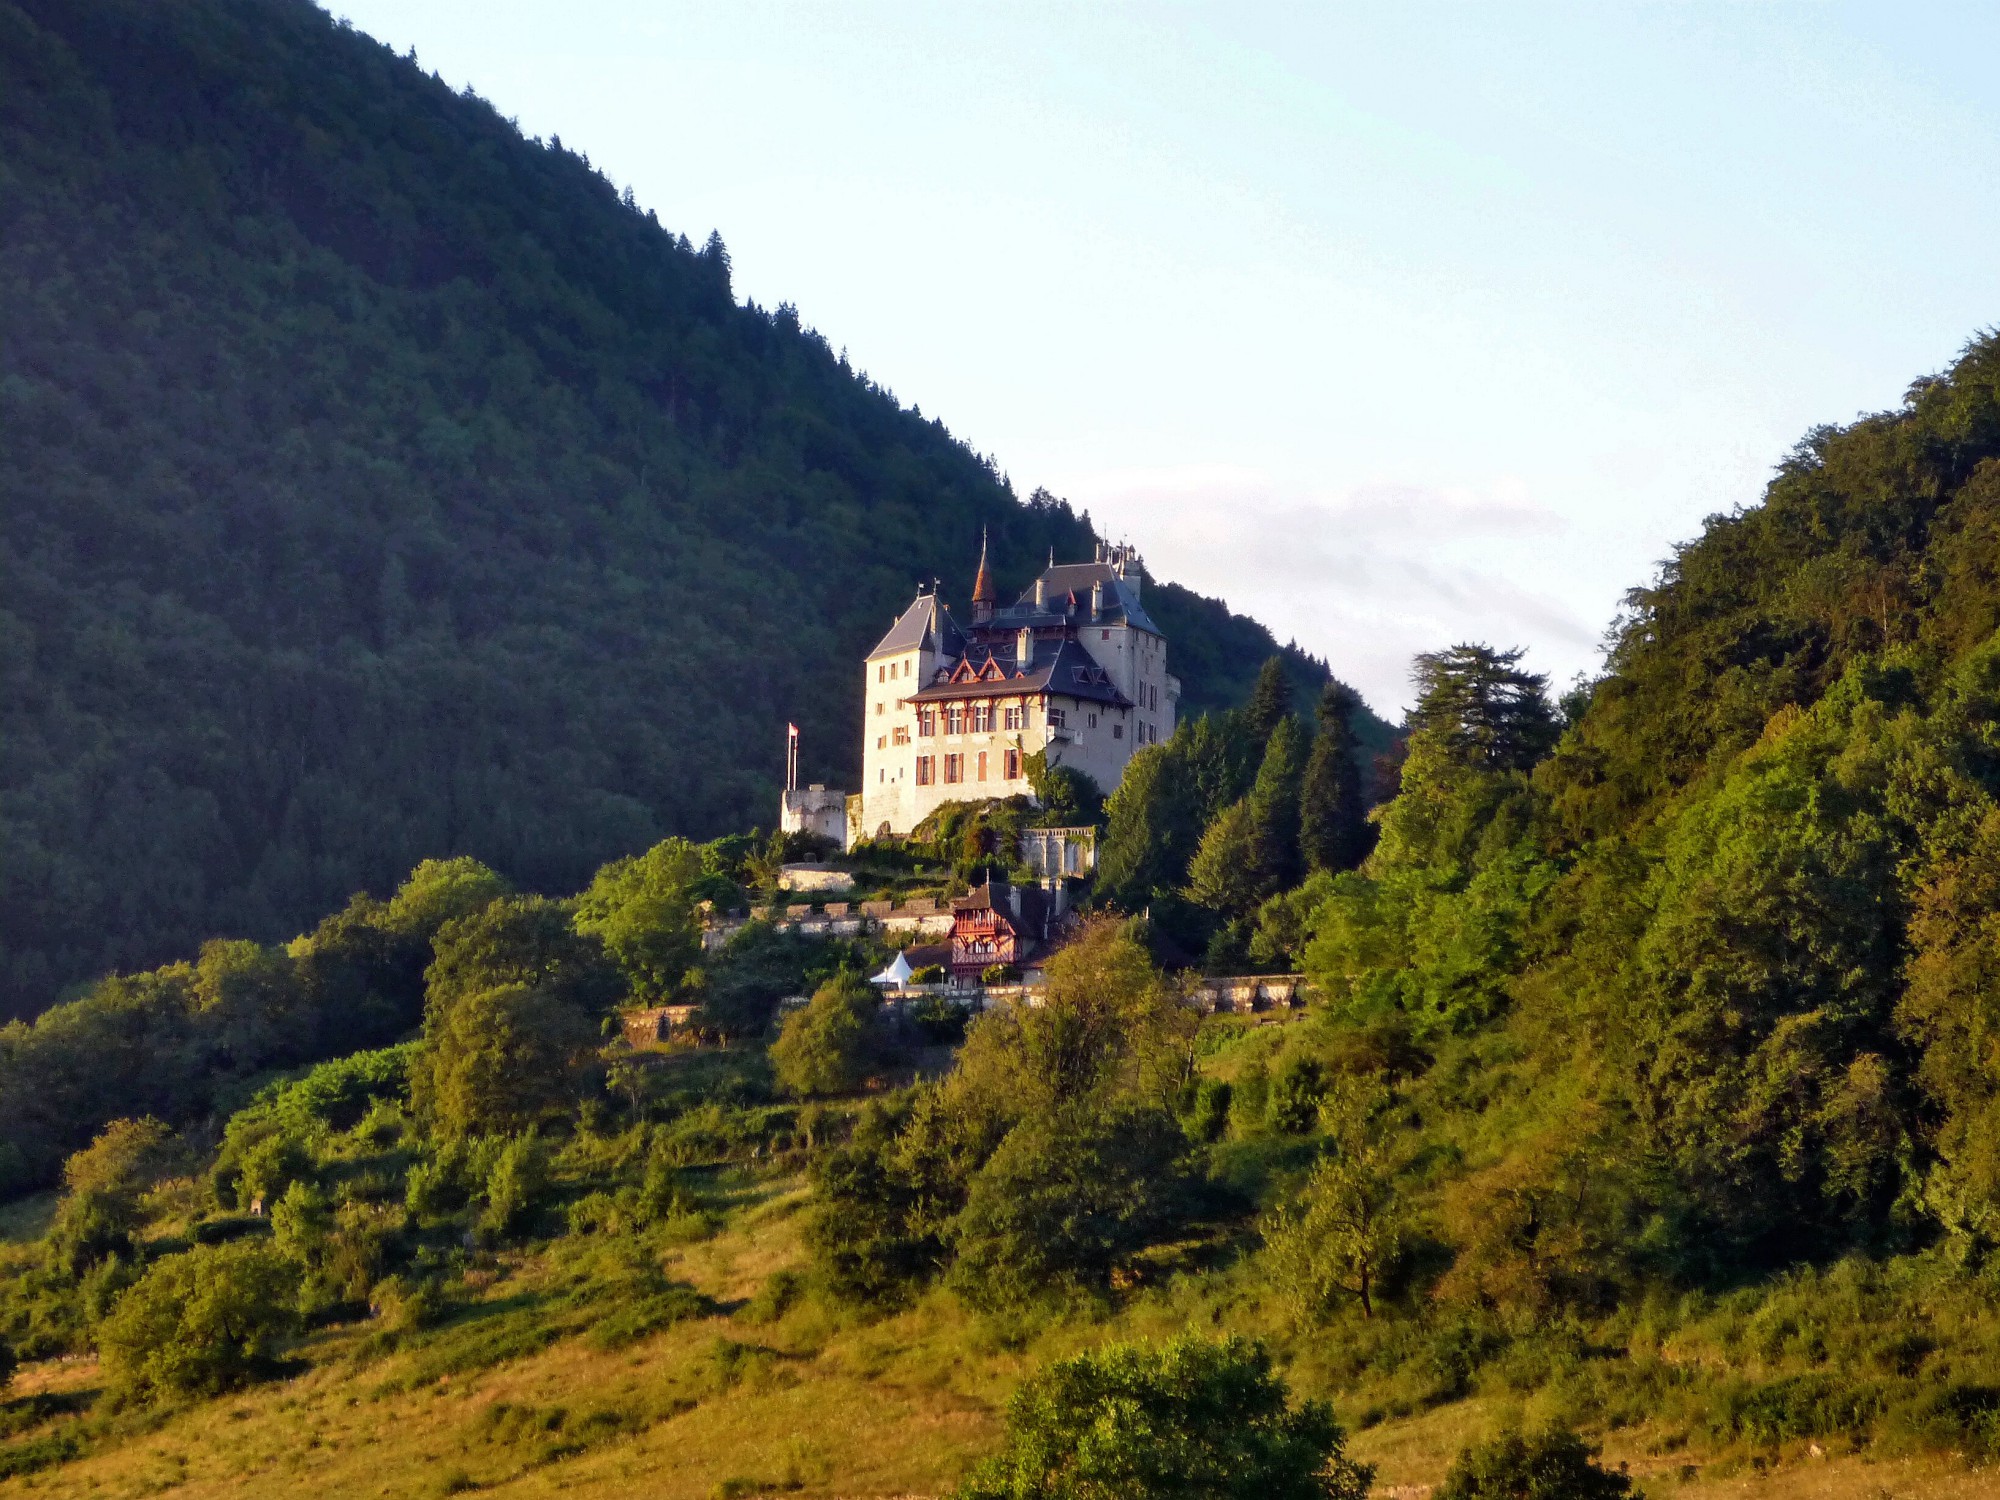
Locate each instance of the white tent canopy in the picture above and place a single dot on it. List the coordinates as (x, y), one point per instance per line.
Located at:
(898, 972)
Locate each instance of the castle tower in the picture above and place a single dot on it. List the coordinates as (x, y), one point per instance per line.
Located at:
(984, 595)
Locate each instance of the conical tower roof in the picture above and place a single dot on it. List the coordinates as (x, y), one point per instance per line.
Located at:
(983, 591)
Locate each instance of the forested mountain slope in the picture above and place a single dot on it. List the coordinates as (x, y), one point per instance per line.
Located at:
(1728, 949)
(377, 483)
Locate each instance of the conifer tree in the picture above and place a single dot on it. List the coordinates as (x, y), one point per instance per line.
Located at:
(1223, 876)
(1270, 700)
(1492, 715)
(1274, 811)
(1154, 823)
(1333, 801)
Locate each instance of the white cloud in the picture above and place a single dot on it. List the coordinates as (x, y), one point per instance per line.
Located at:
(1366, 578)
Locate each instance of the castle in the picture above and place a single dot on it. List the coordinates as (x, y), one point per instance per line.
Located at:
(1075, 669)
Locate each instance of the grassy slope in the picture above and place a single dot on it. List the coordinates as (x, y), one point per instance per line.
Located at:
(814, 1402)
(819, 1406)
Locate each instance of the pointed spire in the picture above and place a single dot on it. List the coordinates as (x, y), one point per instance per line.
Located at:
(984, 595)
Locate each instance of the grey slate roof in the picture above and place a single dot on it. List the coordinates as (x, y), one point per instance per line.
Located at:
(1060, 667)
(925, 621)
(1064, 579)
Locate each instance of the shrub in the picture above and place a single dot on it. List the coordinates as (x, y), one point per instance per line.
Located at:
(1293, 1102)
(1549, 1465)
(938, 1020)
(407, 1304)
(1065, 1202)
(437, 1186)
(517, 1185)
(1208, 1120)
(302, 1223)
(200, 1323)
(830, 1045)
(1192, 1418)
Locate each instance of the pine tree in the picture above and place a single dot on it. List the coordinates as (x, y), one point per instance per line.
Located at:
(1492, 715)
(1154, 824)
(1274, 811)
(1270, 700)
(1222, 876)
(1333, 801)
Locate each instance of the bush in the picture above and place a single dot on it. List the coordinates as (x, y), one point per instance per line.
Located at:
(1208, 1120)
(200, 1323)
(1293, 1102)
(1549, 1465)
(1191, 1419)
(830, 1045)
(937, 1020)
(517, 1185)
(1063, 1203)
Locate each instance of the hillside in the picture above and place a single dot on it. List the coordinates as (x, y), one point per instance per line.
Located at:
(380, 484)
(1645, 1099)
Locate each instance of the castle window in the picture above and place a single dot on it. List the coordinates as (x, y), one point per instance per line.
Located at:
(926, 721)
(1107, 635)
(1058, 719)
(1011, 764)
(954, 769)
(982, 765)
(1118, 731)
(926, 769)
(954, 719)
(901, 734)
(982, 720)
(1015, 716)
(1093, 721)
(881, 707)
(881, 742)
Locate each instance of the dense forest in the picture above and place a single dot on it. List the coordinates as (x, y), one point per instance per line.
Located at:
(380, 484)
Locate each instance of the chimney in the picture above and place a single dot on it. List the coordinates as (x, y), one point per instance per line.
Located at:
(1024, 648)
(1042, 592)
(1097, 599)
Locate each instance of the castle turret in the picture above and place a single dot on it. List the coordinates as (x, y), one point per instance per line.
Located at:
(984, 595)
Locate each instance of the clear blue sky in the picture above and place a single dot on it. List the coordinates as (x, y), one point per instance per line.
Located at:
(1393, 324)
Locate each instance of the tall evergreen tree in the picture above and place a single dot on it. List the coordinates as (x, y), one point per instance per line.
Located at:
(1333, 799)
(1223, 875)
(1270, 700)
(1492, 715)
(1274, 810)
(1154, 822)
